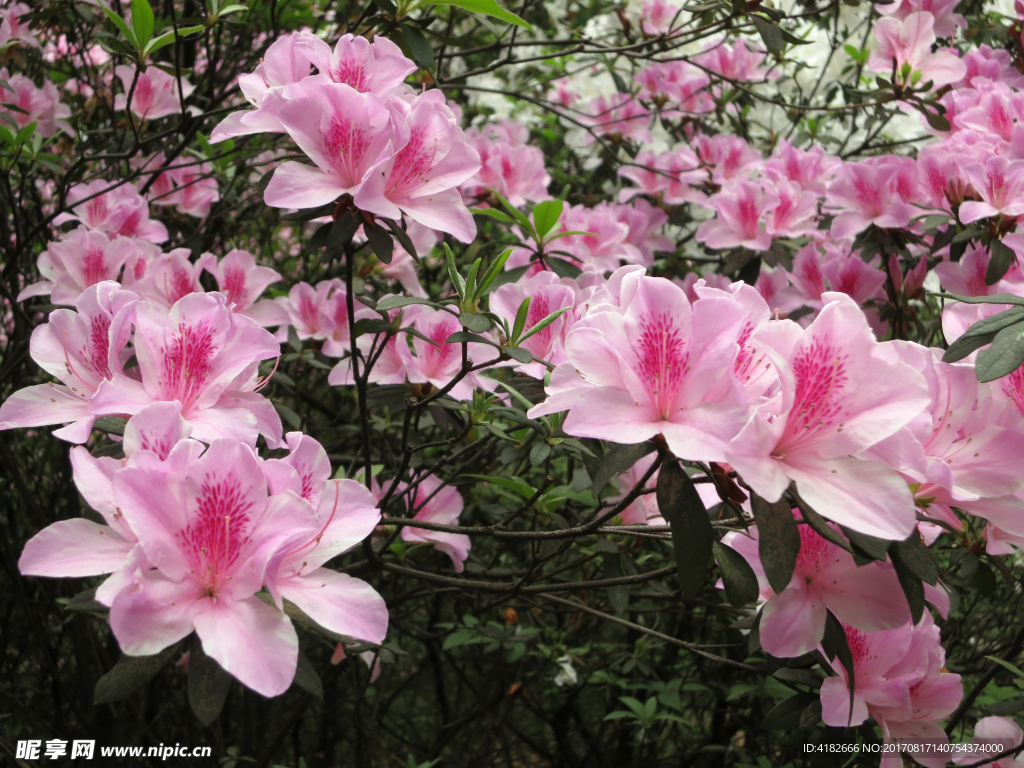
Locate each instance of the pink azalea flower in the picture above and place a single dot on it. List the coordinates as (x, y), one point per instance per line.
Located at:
(306, 306)
(735, 63)
(899, 680)
(742, 207)
(995, 113)
(82, 350)
(41, 105)
(337, 341)
(347, 134)
(946, 21)
(676, 88)
(346, 513)
(620, 114)
(169, 277)
(442, 507)
(191, 188)
(660, 367)
(210, 536)
(431, 158)
(967, 276)
(643, 221)
(155, 95)
(909, 41)
(515, 171)
(671, 176)
(644, 509)
(656, 17)
(547, 294)
(18, 28)
(286, 61)
(811, 168)
(1000, 185)
(81, 259)
(839, 398)
(242, 282)
(730, 156)
(155, 437)
(117, 209)
(825, 578)
(439, 362)
(202, 355)
(379, 67)
(862, 195)
(994, 729)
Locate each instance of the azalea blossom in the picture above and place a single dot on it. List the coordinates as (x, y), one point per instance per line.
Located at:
(839, 398)
(81, 349)
(82, 258)
(908, 41)
(203, 356)
(242, 282)
(433, 504)
(117, 209)
(154, 92)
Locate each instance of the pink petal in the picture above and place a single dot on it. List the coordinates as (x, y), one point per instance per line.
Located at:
(339, 603)
(74, 548)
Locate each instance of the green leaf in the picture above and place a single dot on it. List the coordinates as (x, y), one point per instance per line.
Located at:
(539, 453)
(484, 7)
(820, 526)
(159, 42)
(1011, 707)
(870, 547)
(778, 540)
(307, 214)
(208, 685)
(418, 45)
(1006, 665)
(453, 273)
(738, 577)
(231, 9)
(770, 33)
(520, 321)
(520, 218)
(402, 237)
(835, 643)
(307, 678)
(519, 354)
(112, 425)
(913, 588)
(786, 714)
(563, 268)
(973, 340)
(996, 322)
(475, 323)
(692, 534)
(916, 557)
(491, 274)
(128, 675)
(493, 213)
(618, 458)
(142, 22)
(995, 298)
(541, 325)
(1004, 356)
(513, 484)
(121, 25)
(546, 215)
(394, 302)
(380, 241)
(1002, 258)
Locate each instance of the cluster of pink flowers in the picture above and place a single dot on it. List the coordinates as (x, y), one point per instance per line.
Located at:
(508, 165)
(41, 106)
(368, 134)
(192, 534)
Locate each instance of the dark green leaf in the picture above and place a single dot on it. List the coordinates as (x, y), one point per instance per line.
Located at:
(142, 22)
(460, 336)
(938, 122)
(520, 322)
(820, 526)
(799, 676)
(519, 354)
(475, 323)
(916, 557)
(868, 546)
(617, 459)
(112, 425)
(770, 33)
(786, 714)
(835, 643)
(343, 230)
(380, 241)
(995, 298)
(542, 324)
(394, 302)
(1010, 707)
(1002, 257)
(995, 323)
(738, 577)
(1004, 356)
(208, 685)
(912, 586)
(692, 534)
(402, 237)
(308, 214)
(86, 602)
(811, 716)
(307, 678)
(778, 540)
(563, 268)
(128, 675)
(418, 45)
(539, 453)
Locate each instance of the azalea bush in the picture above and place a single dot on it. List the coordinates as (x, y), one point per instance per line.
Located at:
(561, 384)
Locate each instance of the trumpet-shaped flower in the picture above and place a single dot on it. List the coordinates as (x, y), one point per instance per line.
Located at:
(908, 41)
(658, 367)
(154, 93)
(203, 356)
(434, 504)
(242, 281)
(82, 350)
(117, 209)
(839, 398)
